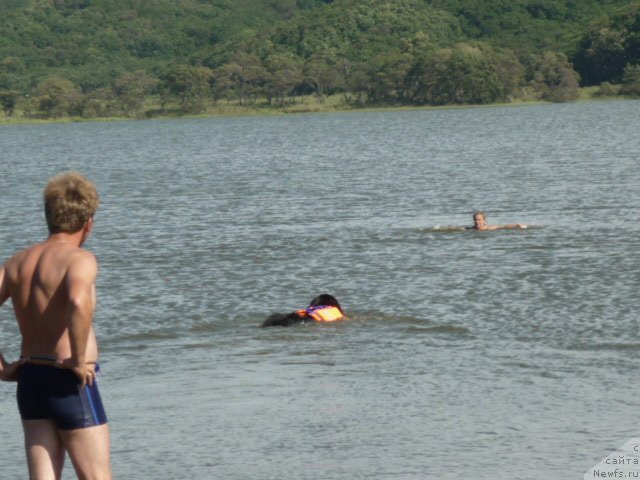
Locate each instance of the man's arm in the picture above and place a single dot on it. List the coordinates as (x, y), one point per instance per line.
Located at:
(80, 280)
(511, 225)
(4, 286)
(8, 371)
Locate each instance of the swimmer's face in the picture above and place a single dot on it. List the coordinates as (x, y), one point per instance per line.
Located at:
(479, 221)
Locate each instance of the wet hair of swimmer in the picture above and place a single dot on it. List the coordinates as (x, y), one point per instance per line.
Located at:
(479, 213)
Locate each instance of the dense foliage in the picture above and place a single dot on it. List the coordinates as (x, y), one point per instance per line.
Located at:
(110, 57)
(609, 47)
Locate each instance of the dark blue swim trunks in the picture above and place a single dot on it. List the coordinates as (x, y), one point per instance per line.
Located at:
(49, 392)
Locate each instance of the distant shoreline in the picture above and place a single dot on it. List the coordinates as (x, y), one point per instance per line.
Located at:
(304, 105)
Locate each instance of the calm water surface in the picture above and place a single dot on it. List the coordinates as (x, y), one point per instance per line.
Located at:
(481, 355)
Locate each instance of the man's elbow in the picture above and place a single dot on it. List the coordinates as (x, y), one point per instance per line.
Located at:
(80, 303)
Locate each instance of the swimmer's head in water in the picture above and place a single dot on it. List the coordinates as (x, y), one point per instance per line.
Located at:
(479, 220)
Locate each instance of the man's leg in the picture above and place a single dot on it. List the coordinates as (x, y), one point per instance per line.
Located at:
(45, 452)
(89, 451)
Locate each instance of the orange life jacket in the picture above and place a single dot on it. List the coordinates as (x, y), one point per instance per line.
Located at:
(322, 313)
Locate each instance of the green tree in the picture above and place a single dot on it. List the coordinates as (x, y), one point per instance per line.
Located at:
(631, 81)
(189, 85)
(607, 89)
(224, 82)
(8, 100)
(632, 40)
(285, 8)
(420, 42)
(13, 74)
(322, 76)
(387, 78)
(354, 81)
(67, 5)
(554, 78)
(130, 90)
(12, 64)
(510, 71)
(242, 78)
(152, 46)
(464, 74)
(605, 49)
(601, 57)
(285, 73)
(56, 97)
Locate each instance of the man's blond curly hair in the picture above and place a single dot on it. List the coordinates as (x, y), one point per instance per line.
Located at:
(69, 201)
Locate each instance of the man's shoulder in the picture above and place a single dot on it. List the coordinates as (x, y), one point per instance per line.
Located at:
(83, 255)
(18, 257)
(82, 260)
(53, 257)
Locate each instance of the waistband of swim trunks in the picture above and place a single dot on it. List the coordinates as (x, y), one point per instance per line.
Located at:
(44, 360)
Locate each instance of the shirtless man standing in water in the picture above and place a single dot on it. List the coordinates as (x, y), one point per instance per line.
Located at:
(51, 286)
(480, 223)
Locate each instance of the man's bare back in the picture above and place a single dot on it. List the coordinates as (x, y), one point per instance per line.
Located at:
(51, 286)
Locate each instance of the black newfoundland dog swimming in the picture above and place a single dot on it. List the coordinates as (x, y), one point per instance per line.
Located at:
(323, 308)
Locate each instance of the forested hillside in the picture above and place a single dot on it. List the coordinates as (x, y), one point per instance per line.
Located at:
(143, 57)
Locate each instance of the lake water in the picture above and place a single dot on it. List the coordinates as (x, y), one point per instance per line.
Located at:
(499, 355)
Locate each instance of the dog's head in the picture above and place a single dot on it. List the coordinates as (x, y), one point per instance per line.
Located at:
(326, 300)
